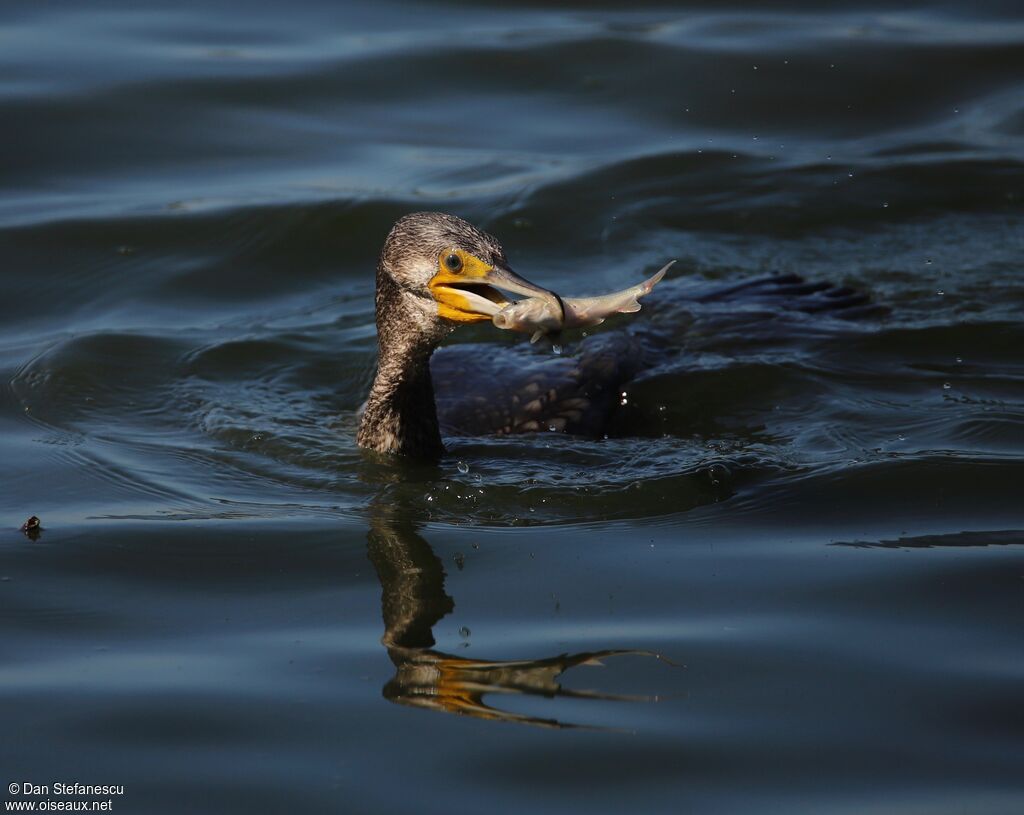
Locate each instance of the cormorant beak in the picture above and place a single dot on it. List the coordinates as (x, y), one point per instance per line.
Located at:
(471, 294)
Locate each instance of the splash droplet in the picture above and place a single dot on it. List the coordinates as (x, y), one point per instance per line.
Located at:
(462, 467)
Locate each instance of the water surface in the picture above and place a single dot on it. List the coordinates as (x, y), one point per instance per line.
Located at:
(789, 581)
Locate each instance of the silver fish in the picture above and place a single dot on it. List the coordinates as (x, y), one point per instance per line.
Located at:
(543, 317)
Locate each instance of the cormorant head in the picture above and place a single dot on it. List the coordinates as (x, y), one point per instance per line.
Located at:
(437, 271)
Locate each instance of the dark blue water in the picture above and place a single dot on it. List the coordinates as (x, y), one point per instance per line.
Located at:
(790, 580)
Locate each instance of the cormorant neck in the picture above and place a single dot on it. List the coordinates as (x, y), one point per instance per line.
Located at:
(400, 414)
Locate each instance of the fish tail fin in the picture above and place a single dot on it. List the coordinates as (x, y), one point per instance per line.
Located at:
(644, 288)
(654, 279)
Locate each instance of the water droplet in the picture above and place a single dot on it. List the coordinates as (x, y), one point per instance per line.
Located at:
(464, 632)
(959, 359)
(828, 158)
(556, 348)
(717, 473)
(927, 261)
(940, 292)
(946, 386)
(755, 67)
(462, 467)
(885, 204)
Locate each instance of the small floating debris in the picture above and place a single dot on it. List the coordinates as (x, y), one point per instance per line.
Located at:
(32, 528)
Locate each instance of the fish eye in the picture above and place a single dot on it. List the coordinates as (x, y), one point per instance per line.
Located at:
(453, 262)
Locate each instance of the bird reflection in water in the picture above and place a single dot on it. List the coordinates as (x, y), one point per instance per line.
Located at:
(414, 599)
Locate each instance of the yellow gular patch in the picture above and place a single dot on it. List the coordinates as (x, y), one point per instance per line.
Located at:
(456, 309)
(452, 304)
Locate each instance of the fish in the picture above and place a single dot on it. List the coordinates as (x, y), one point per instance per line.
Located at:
(542, 317)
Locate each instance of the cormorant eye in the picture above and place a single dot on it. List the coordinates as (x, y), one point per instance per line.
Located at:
(453, 262)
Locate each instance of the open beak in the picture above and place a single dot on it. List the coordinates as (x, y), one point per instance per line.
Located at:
(472, 295)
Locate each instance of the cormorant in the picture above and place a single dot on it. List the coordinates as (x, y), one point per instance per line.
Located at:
(436, 272)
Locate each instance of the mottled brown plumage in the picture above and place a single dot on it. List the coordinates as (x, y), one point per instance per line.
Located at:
(522, 389)
(400, 415)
